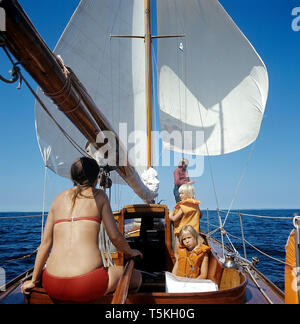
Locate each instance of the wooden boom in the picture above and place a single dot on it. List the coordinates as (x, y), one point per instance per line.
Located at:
(27, 46)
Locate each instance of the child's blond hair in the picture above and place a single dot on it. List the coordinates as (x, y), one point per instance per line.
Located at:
(188, 190)
(190, 229)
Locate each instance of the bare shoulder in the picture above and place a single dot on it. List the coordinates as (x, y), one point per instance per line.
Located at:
(100, 196)
(101, 200)
(63, 196)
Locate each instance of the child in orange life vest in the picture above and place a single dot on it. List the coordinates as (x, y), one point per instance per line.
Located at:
(192, 256)
(187, 211)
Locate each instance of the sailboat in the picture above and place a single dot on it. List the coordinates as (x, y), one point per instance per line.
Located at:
(211, 87)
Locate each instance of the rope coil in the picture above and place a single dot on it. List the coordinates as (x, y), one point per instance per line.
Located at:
(296, 221)
(61, 96)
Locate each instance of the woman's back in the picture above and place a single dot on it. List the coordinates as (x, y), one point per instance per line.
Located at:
(75, 269)
(75, 248)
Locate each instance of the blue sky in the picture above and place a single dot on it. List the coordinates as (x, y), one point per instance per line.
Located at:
(272, 178)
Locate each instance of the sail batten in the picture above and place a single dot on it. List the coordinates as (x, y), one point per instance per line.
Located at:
(211, 81)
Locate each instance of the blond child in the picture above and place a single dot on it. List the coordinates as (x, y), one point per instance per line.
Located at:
(192, 256)
(187, 211)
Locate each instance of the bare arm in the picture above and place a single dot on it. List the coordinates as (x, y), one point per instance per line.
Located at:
(42, 255)
(114, 233)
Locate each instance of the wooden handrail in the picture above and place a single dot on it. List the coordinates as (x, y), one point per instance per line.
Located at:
(121, 292)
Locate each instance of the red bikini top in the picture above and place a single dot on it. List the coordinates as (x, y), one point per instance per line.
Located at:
(75, 219)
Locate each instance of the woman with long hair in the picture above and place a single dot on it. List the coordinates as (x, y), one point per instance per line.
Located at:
(74, 270)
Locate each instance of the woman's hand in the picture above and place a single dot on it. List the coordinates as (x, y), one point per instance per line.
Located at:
(27, 285)
(135, 253)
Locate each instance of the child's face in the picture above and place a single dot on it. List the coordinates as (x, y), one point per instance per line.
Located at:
(183, 196)
(188, 241)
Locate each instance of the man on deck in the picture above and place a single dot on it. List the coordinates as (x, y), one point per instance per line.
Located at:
(181, 177)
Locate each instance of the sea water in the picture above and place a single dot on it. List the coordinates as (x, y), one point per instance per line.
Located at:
(21, 236)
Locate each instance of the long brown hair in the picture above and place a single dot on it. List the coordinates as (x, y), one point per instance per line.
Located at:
(84, 173)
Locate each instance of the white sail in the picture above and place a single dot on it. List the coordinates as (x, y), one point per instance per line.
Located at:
(113, 72)
(211, 81)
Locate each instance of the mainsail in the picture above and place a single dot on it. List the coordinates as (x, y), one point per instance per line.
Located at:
(211, 81)
(212, 85)
(113, 72)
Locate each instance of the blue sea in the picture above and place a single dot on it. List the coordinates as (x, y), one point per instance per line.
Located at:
(21, 236)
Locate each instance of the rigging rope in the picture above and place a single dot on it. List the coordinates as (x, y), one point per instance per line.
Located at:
(257, 216)
(20, 257)
(251, 245)
(68, 77)
(240, 182)
(20, 217)
(44, 201)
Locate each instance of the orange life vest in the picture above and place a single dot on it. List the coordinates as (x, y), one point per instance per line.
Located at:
(189, 263)
(191, 215)
(291, 295)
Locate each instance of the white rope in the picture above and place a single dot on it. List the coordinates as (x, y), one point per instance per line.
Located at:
(258, 286)
(105, 247)
(222, 234)
(44, 201)
(257, 216)
(209, 161)
(240, 182)
(21, 217)
(251, 245)
(296, 219)
(233, 247)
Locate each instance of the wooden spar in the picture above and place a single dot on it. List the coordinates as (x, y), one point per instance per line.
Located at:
(24, 42)
(148, 73)
(121, 292)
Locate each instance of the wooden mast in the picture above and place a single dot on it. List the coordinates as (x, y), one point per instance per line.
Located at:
(148, 70)
(148, 73)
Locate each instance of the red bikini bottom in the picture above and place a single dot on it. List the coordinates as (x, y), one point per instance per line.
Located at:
(82, 289)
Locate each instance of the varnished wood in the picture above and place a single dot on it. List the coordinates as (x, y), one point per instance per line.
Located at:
(230, 278)
(28, 47)
(121, 293)
(235, 287)
(235, 295)
(215, 270)
(148, 73)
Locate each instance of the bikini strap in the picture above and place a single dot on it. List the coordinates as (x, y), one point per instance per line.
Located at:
(65, 220)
